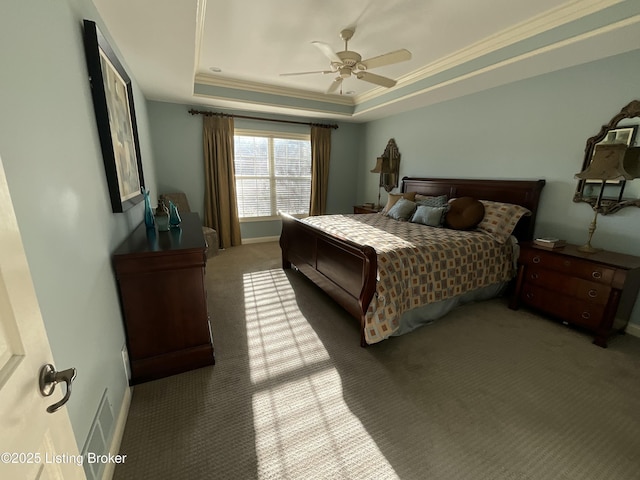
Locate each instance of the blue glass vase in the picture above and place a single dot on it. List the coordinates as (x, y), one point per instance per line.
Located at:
(148, 212)
(174, 215)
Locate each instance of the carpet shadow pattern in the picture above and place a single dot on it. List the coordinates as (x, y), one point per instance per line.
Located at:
(484, 393)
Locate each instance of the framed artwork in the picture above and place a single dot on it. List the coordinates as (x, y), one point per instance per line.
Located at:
(116, 120)
(626, 135)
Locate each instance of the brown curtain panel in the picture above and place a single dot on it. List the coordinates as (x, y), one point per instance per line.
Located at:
(220, 204)
(320, 156)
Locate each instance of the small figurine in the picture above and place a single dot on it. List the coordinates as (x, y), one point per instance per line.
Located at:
(162, 216)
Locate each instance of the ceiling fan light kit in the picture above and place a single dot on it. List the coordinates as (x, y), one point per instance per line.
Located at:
(348, 62)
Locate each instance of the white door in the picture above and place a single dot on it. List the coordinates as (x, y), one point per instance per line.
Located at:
(33, 443)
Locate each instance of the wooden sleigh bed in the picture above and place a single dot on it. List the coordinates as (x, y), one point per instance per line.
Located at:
(348, 271)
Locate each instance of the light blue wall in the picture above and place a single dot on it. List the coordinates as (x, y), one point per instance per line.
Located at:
(178, 151)
(535, 128)
(51, 153)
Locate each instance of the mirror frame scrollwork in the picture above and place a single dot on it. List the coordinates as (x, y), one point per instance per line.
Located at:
(607, 206)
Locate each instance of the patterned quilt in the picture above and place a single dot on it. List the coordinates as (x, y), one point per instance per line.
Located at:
(418, 264)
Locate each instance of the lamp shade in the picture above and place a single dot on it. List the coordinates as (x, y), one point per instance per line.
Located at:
(607, 164)
(383, 165)
(632, 162)
(378, 167)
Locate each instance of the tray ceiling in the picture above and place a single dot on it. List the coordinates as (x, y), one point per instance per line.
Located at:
(223, 54)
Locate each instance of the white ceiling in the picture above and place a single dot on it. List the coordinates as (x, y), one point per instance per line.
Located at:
(457, 46)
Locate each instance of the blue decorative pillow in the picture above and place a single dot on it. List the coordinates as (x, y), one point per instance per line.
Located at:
(428, 201)
(402, 210)
(431, 216)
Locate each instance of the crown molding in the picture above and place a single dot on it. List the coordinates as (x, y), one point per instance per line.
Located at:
(201, 13)
(282, 109)
(227, 82)
(238, 84)
(545, 22)
(512, 60)
(537, 25)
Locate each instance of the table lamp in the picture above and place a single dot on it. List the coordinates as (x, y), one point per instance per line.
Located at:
(382, 167)
(607, 164)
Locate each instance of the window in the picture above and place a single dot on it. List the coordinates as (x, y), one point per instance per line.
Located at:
(273, 173)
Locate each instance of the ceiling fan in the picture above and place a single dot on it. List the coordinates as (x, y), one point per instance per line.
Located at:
(348, 62)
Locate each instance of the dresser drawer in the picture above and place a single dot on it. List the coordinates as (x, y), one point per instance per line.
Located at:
(579, 288)
(572, 310)
(596, 291)
(568, 265)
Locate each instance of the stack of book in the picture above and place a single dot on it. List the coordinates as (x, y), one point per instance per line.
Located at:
(549, 242)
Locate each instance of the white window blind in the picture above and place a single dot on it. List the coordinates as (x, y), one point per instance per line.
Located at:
(273, 173)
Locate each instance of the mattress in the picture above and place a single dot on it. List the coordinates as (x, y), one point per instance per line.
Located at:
(419, 265)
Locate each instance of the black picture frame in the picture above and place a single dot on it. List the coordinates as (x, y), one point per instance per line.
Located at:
(116, 120)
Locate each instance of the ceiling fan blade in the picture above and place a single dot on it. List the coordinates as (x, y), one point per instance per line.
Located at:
(387, 59)
(377, 79)
(306, 73)
(334, 86)
(328, 51)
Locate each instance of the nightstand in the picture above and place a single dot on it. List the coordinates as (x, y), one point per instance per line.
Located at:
(595, 291)
(365, 209)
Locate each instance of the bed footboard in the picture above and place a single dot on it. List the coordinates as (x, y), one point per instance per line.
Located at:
(345, 270)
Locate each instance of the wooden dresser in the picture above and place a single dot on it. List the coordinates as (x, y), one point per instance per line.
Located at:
(160, 279)
(594, 291)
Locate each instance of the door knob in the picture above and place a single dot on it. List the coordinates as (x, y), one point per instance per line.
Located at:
(49, 378)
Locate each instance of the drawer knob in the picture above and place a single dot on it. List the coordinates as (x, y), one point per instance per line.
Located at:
(586, 315)
(536, 259)
(593, 293)
(596, 274)
(529, 295)
(534, 276)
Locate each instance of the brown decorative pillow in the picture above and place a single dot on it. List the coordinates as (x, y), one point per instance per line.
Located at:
(464, 213)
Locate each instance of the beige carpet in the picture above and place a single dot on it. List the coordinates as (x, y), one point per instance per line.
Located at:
(485, 393)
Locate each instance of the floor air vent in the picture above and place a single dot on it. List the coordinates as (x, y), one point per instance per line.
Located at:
(99, 438)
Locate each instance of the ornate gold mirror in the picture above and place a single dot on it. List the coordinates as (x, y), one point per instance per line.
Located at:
(388, 166)
(616, 194)
(390, 171)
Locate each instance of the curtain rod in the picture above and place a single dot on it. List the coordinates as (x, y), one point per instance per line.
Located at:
(208, 113)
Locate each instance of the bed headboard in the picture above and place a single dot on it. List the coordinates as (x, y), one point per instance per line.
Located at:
(519, 192)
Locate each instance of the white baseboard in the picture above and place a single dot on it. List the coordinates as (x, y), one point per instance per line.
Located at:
(114, 448)
(633, 329)
(246, 241)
